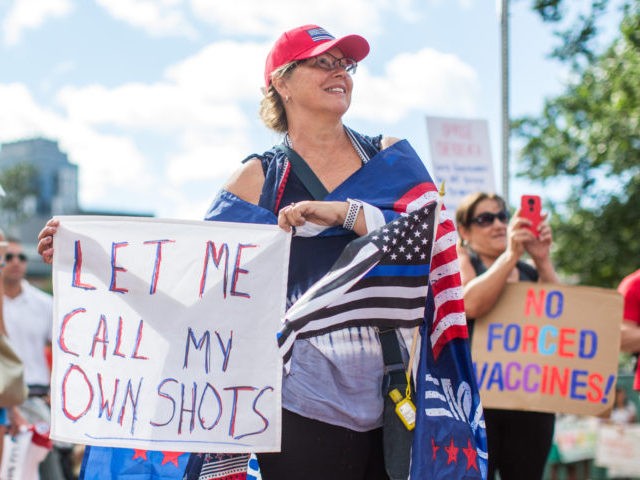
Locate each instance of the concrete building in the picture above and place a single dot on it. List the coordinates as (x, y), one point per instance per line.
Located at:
(56, 178)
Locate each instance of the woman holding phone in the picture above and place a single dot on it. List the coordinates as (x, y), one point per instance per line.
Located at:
(490, 251)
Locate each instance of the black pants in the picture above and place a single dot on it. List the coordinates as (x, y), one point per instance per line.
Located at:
(314, 450)
(519, 443)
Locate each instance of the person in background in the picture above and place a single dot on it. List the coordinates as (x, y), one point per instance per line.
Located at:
(629, 288)
(3, 410)
(624, 411)
(490, 252)
(28, 314)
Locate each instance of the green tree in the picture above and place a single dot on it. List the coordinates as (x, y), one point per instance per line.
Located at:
(19, 183)
(589, 136)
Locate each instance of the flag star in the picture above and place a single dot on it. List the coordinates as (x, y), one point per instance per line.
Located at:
(139, 454)
(452, 452)
(409, 256)
(393, 256)
(171, 457)
(396, 230)
(423, 256)
(385, 230)
(385, 248)
(425, 241)
(425, 226)
(401, 248)
(471, 455)
(416, 249)
(375, 237)
(417, 233)
(410, 241)
(386, 238)
(394, 241)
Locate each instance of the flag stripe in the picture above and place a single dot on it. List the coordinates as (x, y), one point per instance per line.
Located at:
(387, 316)
(383, 300)
(397, 270)
(399, 282)
(448, 308)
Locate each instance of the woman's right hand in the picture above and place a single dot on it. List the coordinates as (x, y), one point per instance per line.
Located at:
(45, 240)
(518, 235)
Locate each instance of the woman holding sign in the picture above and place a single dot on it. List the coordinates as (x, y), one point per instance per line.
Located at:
(329, 185)
(490, 254)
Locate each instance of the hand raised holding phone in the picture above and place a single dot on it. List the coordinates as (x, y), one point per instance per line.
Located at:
(531, 209)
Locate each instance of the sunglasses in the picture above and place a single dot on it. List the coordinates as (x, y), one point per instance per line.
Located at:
(329, 62)
(487, 218)
(20, 256)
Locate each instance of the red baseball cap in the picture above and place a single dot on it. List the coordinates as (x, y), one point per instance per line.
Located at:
(309, 41)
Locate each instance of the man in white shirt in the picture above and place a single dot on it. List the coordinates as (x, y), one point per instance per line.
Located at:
(28, 316)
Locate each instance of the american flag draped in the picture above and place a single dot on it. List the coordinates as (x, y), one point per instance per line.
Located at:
(380, 279)
(406, 274)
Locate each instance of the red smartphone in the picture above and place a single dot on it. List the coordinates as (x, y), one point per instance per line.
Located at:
(531, 208)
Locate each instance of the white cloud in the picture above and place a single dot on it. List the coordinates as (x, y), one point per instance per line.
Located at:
(210, 155)
(426, 80)
(159, 108)
(106, 162)
(258, 17)
(156, 17)
(25, 14)
(223, 70)
(110, 165)
(21, 116)
(202, 92)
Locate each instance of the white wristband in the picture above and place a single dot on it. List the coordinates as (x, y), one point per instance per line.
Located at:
(352, 214)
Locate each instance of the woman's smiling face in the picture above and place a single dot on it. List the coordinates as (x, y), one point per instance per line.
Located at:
(311, 87)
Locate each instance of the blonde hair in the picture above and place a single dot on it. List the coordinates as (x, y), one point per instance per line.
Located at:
(272, 111)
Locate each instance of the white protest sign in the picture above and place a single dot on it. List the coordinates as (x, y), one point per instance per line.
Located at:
(461, 156)
(165, 334)
(618, 449)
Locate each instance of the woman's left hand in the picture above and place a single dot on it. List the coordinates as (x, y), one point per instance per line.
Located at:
(328, 214)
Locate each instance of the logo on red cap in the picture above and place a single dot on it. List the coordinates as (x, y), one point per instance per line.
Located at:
(309, 41)
(318, 34)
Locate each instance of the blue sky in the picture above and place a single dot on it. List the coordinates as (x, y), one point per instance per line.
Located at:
(156, 100)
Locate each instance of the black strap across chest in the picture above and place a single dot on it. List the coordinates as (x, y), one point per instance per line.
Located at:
(302, 170)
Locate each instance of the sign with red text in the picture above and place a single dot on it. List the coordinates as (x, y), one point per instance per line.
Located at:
(618, 449)
(461, 156)
(549, 348)
(165, 334)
